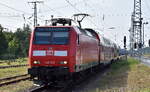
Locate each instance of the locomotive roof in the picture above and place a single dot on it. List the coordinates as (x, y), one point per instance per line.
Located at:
(103, 40)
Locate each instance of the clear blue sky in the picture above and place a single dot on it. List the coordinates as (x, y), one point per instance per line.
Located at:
(104, 14)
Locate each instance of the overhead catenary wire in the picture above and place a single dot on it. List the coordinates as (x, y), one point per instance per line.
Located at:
(72, 5)
(9, 15)
(77, 3)
(80, 12)
(148, 9)
(14, 8)
(51, 9)
(61, 7)
(12, 16)
(147, 5)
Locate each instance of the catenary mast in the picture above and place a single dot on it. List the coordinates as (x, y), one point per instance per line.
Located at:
(136, 26)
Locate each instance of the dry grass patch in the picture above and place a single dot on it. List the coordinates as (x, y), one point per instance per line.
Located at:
(19, 61)
(9, 72)
(147, 55)
(18, 87)
(126, 76)
(139, 77)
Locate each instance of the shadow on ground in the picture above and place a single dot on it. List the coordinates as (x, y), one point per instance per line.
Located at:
(113, 77)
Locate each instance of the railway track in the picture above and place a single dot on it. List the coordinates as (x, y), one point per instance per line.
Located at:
(51, 88)
(13, 66)
(37, 89)
(69, 86)
(14, 79)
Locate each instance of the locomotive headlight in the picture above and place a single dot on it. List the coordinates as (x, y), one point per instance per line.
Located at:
(63, 62)
(36, 62)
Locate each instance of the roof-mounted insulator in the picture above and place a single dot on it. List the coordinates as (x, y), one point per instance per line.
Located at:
(62, 21)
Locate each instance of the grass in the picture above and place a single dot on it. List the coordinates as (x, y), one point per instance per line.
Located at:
(9, 72)
(19, 61)
(147, 55)
(125, 76)
(18, 87)
(122, 76)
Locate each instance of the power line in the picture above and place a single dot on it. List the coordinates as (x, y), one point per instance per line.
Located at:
(13, 8)
(80, 2)
(52, 9)
(146, 3)
(72, 5)
(60, 7)
(80, 11)
(9, 15)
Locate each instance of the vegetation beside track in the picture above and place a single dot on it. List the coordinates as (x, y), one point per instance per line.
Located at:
(17, 87)
(147, 55)
(19, 61)
(125, 76)
(14, 43)
(10, 72)
(122, 76)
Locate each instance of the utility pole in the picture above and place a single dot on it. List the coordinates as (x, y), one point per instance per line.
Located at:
(35, 11)
(136, 27)
(24, 20)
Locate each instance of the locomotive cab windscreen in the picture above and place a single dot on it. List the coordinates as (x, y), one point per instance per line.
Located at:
(51, 36)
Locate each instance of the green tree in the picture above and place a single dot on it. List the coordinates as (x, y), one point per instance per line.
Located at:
(14, 43)
(3, 42)
(13, 46)
(23, 37)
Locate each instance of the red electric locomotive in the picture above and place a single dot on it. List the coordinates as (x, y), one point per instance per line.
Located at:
(58, 52)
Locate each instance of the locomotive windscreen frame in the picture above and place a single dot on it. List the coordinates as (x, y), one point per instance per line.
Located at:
(51, 36)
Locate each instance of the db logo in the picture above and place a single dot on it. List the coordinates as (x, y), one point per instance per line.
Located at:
(49, 52)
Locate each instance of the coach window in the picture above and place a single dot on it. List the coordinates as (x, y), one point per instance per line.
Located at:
(89, 33)
(93, 34)
(82, 31)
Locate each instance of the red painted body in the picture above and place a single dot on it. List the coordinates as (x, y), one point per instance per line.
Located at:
(84, 50)
(50, 59)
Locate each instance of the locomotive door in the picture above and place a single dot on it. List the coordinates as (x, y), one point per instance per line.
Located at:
(78, 55)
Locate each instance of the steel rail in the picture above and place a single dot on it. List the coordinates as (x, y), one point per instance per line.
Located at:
(13, 66)
(9, 78)
(15, 79)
